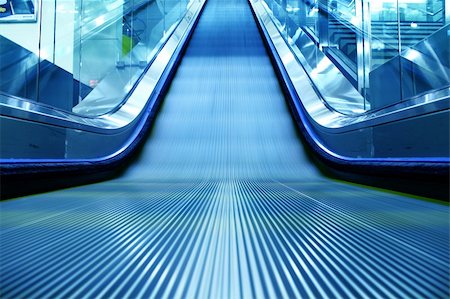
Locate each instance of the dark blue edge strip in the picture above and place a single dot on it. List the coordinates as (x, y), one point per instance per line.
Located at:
(427, 178)
(19, 179)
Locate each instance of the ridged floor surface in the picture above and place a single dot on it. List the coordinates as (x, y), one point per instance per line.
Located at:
(223, 203)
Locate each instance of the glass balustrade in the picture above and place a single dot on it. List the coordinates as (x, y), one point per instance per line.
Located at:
(369, 54)
(84, 56)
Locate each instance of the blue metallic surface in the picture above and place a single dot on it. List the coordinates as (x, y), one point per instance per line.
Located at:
(223, 202)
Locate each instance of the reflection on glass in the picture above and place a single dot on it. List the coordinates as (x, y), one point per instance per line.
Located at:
(18, 11)
(388, 51)
(344, 10)
(425, 52)
(85, 56)
(409, 49)
(312, 15)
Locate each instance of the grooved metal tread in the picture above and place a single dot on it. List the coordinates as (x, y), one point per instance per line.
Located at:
(223, 203)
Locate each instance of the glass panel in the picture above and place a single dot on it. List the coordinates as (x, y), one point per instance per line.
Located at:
(114, 53)
(342, 30)
(82, 56)
(384, 31)
(424, 47)
(368, 54)
(303, 14)
(172, 12)
(312, 15)
(278, 9)
(19, 48)
(409, 49)
(344, 10)
(19, 58)
(299, 23)
(383, 41)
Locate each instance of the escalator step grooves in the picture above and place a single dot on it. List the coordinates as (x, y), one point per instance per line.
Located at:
(219, 240)
(223, 202)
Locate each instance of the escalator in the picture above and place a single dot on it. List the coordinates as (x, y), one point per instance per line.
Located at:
(223, 201)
